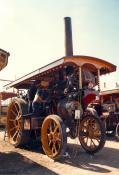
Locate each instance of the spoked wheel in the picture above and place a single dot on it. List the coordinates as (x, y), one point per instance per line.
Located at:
(92, 134)
(53, 136)
(117, 131)
(17, 136)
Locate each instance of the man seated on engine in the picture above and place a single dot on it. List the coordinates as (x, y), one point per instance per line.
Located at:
(39, 101)
(30, 95)
(41, 97)
(70, 79)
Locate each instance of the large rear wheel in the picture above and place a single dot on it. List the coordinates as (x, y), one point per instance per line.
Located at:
(16, 133)
(92, 134)
(117, 131)
(53, 136)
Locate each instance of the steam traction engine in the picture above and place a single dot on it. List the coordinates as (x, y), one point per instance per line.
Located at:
(3, 63)
(110, 100)
(70, 109)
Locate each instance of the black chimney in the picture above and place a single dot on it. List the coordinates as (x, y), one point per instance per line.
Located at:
(68, 37)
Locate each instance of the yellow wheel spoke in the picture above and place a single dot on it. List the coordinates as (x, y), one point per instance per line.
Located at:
(11, 129)
(91, 145)
(50, 141)
(19, 117)
(12, 120)
(85, 127)
(95, 138)
(49, 137)
(18, 135)
(58, 139)
(16, 108)
(94, 145)
(54, 150)
(56, 128)
(50, 127)
(87, 140)
(15, 134)
(13, 112)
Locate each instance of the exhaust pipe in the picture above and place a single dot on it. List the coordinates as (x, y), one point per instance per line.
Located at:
(68, 37)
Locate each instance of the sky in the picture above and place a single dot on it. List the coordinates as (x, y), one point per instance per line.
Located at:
(33, 32)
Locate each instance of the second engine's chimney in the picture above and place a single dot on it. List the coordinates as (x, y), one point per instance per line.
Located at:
(68, 37)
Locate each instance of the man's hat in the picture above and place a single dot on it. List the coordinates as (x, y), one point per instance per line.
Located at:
(69, 70)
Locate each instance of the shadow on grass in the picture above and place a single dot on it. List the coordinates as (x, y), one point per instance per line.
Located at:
(112, 138)
(14, 163)
(79, 158)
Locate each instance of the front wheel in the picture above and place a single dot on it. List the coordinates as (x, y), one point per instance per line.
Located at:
(92, 134)
(53, 136)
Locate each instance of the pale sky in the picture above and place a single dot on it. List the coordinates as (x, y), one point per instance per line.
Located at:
(33, 32)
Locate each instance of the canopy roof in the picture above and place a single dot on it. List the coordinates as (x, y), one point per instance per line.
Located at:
(103, 66)
(3, 58)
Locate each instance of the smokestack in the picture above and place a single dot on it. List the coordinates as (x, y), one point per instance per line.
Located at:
(68, 37)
